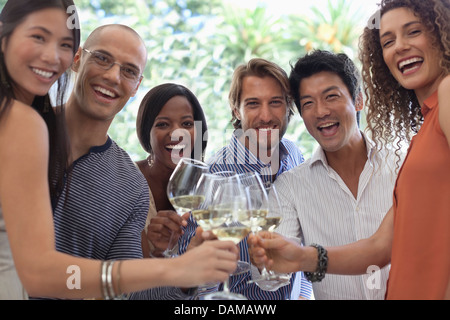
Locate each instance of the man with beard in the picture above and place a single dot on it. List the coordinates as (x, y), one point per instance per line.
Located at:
(261, 107)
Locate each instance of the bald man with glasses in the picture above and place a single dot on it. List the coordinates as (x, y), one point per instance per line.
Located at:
(102, 210)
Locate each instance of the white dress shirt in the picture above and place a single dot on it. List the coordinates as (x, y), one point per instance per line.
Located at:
(318, 207)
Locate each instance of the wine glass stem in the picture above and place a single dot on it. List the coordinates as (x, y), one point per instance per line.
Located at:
(226, 287)
(264, 272)
(169, 251)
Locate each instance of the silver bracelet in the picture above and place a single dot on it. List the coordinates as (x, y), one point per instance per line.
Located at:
(103, 280)
(118, 277)
(109, 283)
(106, 280)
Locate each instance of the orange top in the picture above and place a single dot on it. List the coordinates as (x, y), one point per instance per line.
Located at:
(420, 264)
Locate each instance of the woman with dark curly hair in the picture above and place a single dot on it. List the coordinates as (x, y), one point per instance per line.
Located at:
(406, 72)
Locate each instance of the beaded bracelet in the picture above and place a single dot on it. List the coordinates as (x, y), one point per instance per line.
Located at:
(322, 265)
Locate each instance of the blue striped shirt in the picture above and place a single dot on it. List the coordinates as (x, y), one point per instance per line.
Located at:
(104, 211)
(236, 157)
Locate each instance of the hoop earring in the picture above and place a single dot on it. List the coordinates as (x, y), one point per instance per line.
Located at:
(150, 160)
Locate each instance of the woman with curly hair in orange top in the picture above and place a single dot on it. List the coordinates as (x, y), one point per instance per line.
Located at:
(407, 80)
(406, 72)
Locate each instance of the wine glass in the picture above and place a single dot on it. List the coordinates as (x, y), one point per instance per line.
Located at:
(258, 204)
(206, 187)
(244, 178)
(229, 208)
(267, 209)
(180, 191)
(247, 179)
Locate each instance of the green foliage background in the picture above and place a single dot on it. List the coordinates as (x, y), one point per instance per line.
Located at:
(198, 44)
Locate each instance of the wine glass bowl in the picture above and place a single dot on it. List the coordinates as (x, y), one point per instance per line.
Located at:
(206, 188)
(228, 211)
(269, 222)
(259, 204)
(274, 206)
(181, 191)
(182, 184)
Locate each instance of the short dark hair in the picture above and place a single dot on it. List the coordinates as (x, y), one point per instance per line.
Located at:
(318, 61)
(151, 106)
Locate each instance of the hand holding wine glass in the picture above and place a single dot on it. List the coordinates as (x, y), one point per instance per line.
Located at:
(267, 201)
(283, 254)
(248, 179)
(180, 191)
(212, 260)
(160, 229)
(206, 187)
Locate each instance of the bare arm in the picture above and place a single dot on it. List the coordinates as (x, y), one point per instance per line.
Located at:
(25, 199)
(447, 293)
(444, 121)
(355, 258)
(444, 107)
(27, 211)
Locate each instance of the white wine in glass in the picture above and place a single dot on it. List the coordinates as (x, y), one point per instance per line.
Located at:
(231, 233)
(229, 207)
(251, 180)
(184, 204)
(270, 223)
(205, 189)
(181, 191)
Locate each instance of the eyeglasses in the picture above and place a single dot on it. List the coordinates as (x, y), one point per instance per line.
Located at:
(106, 62)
